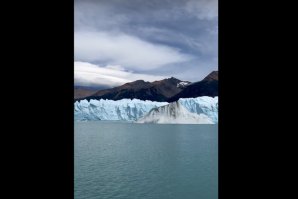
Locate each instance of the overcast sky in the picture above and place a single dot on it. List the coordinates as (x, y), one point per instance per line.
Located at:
(118, 41)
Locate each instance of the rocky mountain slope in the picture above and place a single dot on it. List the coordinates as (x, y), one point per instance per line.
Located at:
(207, 87)
(155, 91)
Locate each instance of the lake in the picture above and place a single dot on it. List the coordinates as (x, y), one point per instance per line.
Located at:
(145, 161)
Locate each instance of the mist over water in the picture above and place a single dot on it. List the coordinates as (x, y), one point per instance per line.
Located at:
(142, 161)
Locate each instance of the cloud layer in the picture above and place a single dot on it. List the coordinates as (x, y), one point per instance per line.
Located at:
(157, 38)
(203, 9)
(87, 74)
(122, 49)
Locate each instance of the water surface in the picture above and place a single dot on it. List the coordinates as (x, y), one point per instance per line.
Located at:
(145, 161)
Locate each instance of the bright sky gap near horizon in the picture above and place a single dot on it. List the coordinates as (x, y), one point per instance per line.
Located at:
(119, 41)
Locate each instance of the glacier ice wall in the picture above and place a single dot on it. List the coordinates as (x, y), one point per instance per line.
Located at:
(205, 105)
(174, 113)
(131, 110)
(125, 109)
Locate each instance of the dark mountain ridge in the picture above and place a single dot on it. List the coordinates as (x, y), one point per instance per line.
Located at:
(154, 91)
(170, 89)
(207, 87)
(83, 91)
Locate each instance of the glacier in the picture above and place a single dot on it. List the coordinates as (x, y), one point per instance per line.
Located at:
(125, 109)
(205, 105)
(131, 110)
(174, 113)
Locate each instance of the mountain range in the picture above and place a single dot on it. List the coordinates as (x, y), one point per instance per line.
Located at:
(83, 91)
(207, 87)
(170, 89)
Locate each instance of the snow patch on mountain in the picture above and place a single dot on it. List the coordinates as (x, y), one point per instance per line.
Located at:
(183, 84)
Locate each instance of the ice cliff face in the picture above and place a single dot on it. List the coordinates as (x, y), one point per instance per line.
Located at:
(174, 113)
(205, 105)
(131, 110)
(124, 109)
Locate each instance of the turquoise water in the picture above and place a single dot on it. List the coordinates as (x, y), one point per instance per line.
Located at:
(145, 161)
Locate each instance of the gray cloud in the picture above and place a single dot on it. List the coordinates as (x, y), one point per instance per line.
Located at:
(87, 74)
(157, 37)
(203, 9)
(125, 50)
